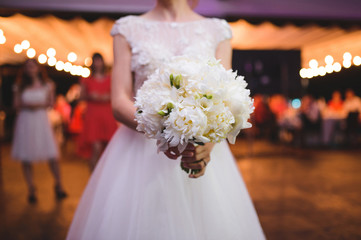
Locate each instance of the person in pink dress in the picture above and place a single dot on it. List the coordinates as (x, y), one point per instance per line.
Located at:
(99, 123)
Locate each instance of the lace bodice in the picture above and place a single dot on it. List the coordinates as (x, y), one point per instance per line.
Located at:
(153, 42)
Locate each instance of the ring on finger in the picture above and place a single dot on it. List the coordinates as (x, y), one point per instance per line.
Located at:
(205, 163)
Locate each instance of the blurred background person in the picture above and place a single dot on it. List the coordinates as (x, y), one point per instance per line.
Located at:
(33, 137)
(333, 118)
(352, 108)
(311, 120)
(99, 123)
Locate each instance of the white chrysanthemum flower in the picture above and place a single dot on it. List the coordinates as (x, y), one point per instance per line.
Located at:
(192, 100)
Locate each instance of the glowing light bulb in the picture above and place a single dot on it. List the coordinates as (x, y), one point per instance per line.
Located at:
(85, 72)
(31, 52)
(18, 48)
(51, 52)
(329, 60)
(329, 68)
(42, 58)
(337, 67)
(74, 70)
(357, 60)
(347, 56)
(67, 66)
(59, 65)
(1, 32)
(88, 61)
(313, 63)
(2, 39)
(322, 71)
(25, 44)
(303, 73)
(346, 63)
(52, 61)
(309, 73)
(72, 57)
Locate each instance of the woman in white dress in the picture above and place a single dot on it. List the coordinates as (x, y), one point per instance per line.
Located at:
(136, 193)
(33, 137)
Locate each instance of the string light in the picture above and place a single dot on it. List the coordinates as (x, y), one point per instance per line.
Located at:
(313, 63)
(1, 32)
(59, 65)
(52, 61)
(331, 66)
(31, 53)
(322, 71)
(51, 52)
(346, 63)
(67, 66)
(72, 57)
(18, 48)
(88, 61)
(42, 58)
(337, 67)
(25, 44)
(357, 60)
(85, 72)
(329, 60)
(347, 56)
(2, 39)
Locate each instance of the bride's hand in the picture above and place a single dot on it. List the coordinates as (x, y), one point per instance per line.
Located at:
(172, 153)
(197, 158)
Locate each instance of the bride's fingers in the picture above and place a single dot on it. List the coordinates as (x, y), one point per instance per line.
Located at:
(188, 153)
(202, 155)
(188, 160)
(171, 155)
(199, 174)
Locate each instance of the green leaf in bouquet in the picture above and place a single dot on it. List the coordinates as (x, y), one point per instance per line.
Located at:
(177, 81)
(171, 79)
(162, 113)
(140, 111)
(208, 96)
(170, 106)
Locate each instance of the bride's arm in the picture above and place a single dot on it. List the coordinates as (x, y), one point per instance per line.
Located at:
(198, 157)
(122, 83)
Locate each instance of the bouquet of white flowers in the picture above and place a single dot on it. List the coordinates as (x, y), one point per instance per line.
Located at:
(192, 100)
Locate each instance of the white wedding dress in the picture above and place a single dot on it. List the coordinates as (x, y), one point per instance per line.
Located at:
(136, 193)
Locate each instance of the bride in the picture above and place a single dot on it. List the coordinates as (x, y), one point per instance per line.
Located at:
(136, 193)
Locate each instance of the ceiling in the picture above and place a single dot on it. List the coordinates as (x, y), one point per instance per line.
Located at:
(85, 38)
(304, 9)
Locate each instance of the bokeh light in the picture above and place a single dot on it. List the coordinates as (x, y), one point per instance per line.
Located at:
(42, 58)
(337, 67)
(18, 48)
(52, 61)
(296, 103)
(72, 57)
(25, 44)
(313, 63)
(88, 61)
(51, 52)
(31, 52)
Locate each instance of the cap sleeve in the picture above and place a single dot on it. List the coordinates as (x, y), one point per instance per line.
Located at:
(122, 27)
(223, 30)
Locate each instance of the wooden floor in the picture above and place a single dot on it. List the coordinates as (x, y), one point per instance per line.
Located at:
(298, 194)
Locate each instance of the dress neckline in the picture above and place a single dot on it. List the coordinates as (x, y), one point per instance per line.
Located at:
(169, 22)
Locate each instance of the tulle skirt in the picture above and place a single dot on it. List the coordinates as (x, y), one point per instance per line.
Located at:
(137, 194)
(34, 139)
